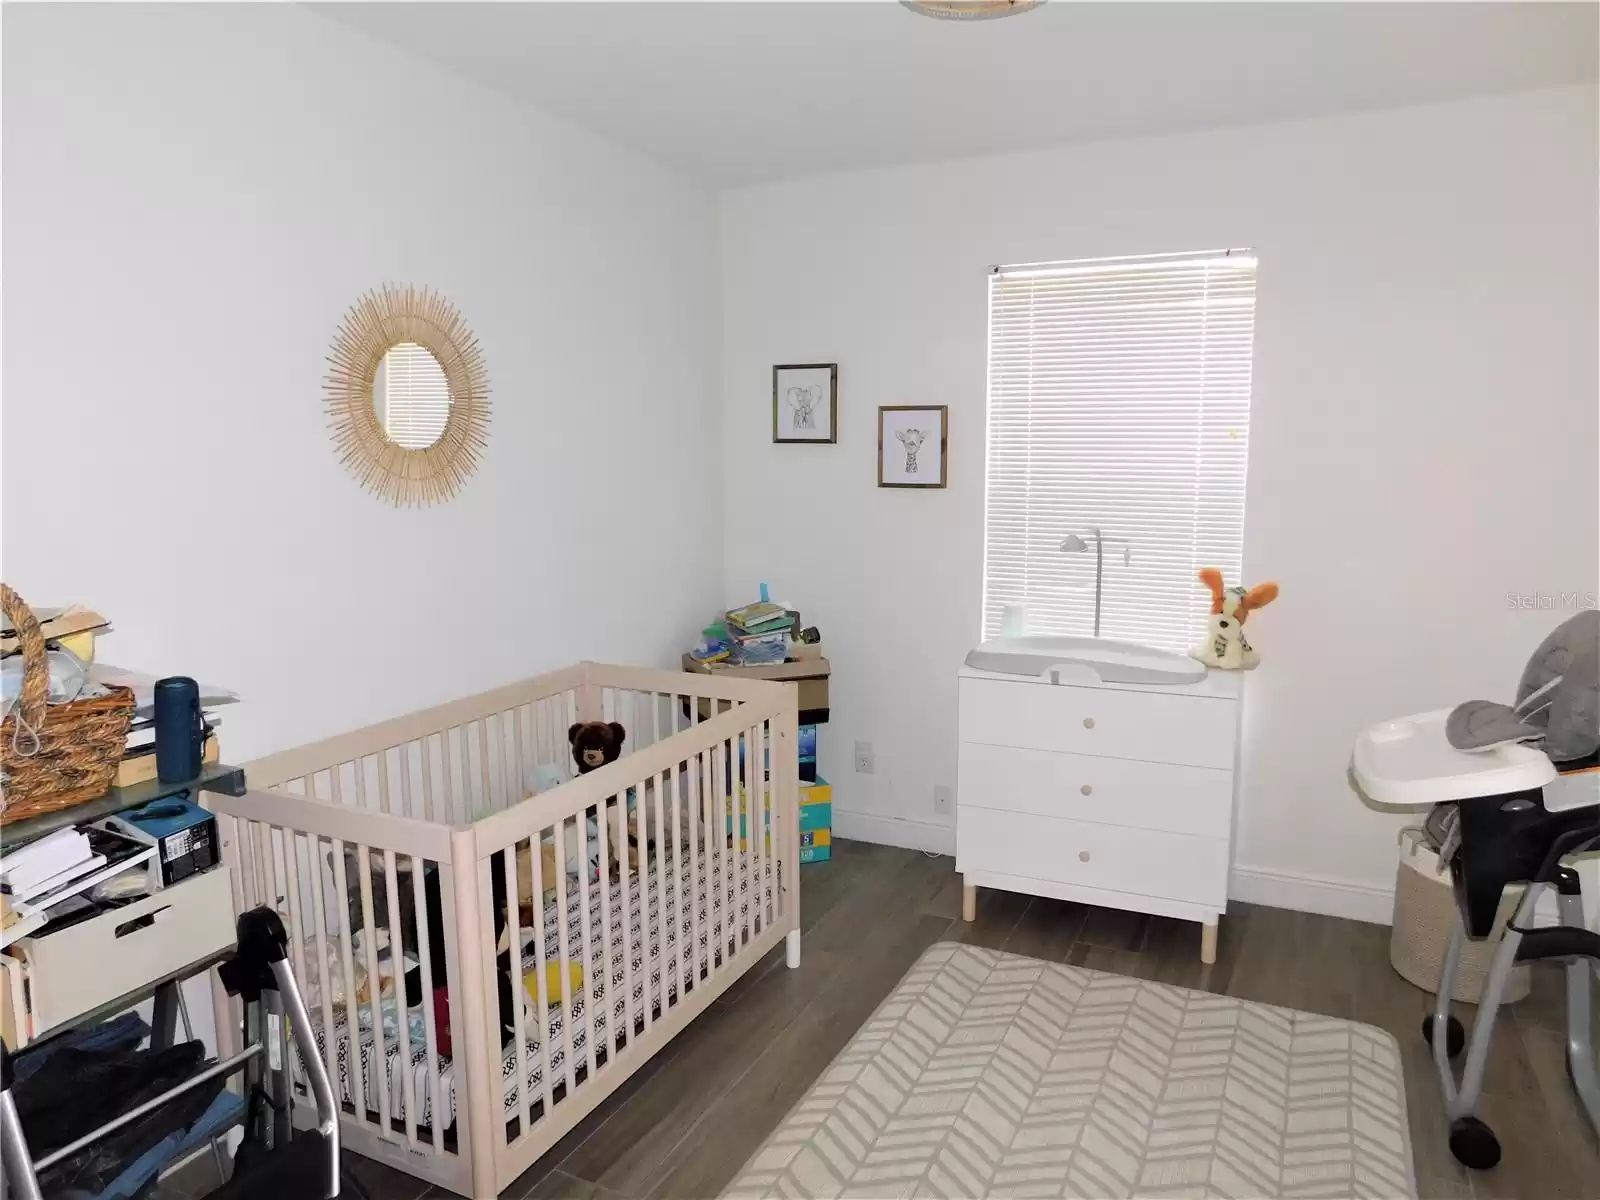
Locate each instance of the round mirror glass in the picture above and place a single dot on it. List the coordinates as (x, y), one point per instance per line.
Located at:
(412, 396)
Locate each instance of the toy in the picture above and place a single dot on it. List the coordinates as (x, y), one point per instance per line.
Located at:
(552, 980)
(1225, 645)
(596, 743)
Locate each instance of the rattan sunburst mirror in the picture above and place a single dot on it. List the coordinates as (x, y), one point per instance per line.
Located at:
(407, 395)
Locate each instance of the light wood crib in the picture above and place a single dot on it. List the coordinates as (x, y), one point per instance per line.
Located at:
(405, 826)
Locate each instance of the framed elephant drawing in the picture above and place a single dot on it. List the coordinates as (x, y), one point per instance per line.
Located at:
(805, 402)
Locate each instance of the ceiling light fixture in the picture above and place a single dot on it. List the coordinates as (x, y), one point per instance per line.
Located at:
(970, 10)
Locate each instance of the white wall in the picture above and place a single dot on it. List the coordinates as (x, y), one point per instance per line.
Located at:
(193, 195)
(1423, 441)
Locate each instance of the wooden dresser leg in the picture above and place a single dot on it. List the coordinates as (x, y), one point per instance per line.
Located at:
(969, 902)
(1208, 942)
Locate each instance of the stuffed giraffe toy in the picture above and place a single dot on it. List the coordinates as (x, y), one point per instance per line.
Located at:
(1225, 645)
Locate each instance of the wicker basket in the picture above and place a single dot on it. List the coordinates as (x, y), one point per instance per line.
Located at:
(1425, 913)
(61, 754)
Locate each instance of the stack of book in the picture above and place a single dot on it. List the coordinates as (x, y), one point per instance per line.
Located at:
(759, 633)
(64, 863)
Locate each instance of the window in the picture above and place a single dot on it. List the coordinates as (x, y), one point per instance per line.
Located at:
(1119, 399)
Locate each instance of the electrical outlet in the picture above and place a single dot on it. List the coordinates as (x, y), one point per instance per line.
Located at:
(943, 800)
(865, 762)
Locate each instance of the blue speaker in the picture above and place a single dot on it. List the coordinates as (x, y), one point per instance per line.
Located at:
(180, 731)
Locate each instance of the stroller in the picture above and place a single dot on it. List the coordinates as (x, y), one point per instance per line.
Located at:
(273, 1161)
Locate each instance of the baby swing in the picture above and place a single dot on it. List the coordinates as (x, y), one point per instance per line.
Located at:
(1514, 791)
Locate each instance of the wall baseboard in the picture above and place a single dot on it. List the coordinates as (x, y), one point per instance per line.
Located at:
(1335, 897)
(894, 831)
(1252, 885)
(1312, 893)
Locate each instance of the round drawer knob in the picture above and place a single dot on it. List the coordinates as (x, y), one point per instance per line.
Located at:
(1088, 722)
(1083, 856)
(1086, 789)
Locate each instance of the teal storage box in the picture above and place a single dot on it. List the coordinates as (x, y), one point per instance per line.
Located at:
(816, 816)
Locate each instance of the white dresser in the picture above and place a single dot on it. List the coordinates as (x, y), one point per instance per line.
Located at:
(1114, 794)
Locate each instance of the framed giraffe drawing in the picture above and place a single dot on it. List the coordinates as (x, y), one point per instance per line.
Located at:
(913, 445)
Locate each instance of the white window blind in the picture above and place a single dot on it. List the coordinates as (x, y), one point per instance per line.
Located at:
(1119, 398)
(416, 396)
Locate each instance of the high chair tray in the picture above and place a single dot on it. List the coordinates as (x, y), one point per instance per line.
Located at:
(1409, 762)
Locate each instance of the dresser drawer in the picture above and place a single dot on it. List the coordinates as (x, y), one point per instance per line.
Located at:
(1195, 731)
(1114, 791)
(83, 966)
(1140, 862)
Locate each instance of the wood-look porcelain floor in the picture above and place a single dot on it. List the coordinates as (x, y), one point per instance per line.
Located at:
(686, 1123)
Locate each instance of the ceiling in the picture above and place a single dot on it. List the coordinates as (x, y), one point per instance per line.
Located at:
(742, 92)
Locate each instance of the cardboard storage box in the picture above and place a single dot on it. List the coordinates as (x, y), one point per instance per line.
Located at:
(816, 821)
(816, 845)
(809, 676)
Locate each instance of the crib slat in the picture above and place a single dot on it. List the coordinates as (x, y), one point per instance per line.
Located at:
(508, 880)
(352, 1010)
(625, 857)
(397, 956)
(764, 846)
(541, 984)
(546, 733)
(253, 864)
(405, 782)
(380, 1053)
(718, 860)
(429, 1100)
(275, 889)
(291, 875)
(430, 810)
(562, 934)
(756, 783)
(736, 857)
(454, 797)
(730, 864)
(662, 910)
(697, 849)
(330, 1042)
(247, 865)
(523, 764)
(510, 781)
(585, 943)
(745, 847)
(678, 926)
(487, 804)
(641, 831)
(602, 855)
(383, 782)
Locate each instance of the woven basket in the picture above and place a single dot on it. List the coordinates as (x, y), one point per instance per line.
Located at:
(1425, 913)
(62, 754)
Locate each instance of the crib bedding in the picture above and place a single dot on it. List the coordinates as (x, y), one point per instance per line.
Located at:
(659, 950)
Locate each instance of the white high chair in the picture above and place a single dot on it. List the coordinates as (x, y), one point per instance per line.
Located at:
(1515, 818)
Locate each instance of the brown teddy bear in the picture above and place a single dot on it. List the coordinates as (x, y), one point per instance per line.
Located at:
(595, 743)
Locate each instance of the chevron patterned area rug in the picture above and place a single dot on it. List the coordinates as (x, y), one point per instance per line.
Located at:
(987, 1074)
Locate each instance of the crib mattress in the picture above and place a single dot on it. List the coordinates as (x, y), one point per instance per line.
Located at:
(659, 950)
